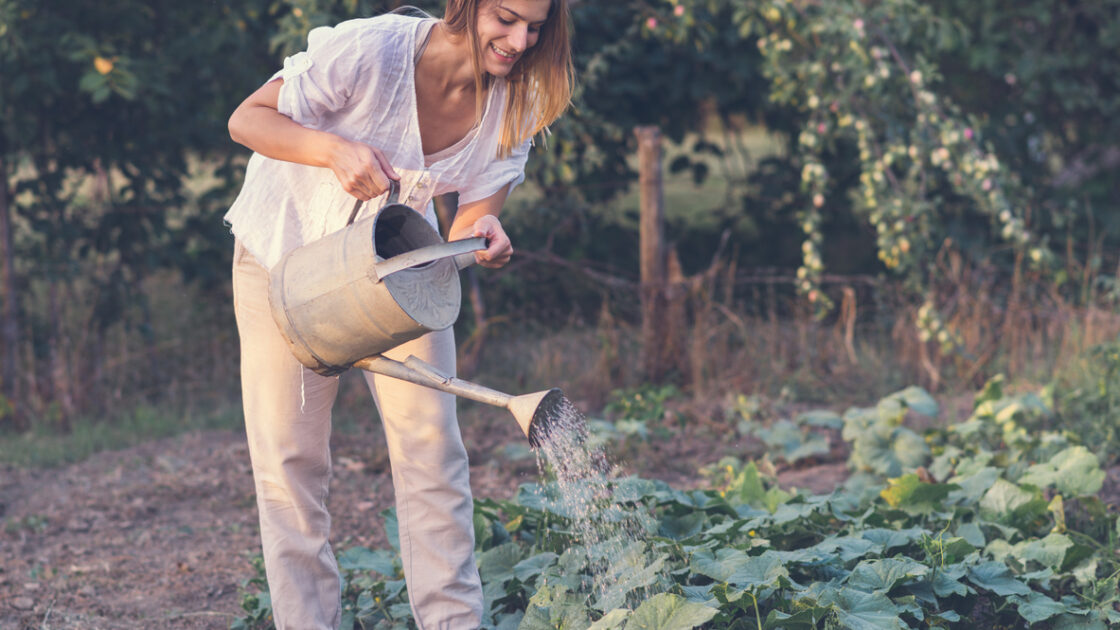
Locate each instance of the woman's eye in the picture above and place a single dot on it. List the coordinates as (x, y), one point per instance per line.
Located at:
(504, 21)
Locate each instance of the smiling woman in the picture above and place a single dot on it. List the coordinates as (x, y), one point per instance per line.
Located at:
(436, 106)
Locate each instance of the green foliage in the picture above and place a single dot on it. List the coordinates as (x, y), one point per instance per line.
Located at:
(1086, 397)
(993, 534)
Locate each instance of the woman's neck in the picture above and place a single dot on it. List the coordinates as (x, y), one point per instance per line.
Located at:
(446, 62)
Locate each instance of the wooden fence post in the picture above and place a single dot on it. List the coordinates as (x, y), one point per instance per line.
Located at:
(652, 253)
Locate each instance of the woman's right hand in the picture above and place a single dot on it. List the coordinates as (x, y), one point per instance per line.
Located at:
(363, 170)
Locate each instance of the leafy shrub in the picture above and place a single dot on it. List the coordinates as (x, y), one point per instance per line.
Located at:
(1087, 399)
(991, 526)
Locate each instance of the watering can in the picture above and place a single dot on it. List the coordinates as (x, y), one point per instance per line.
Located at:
(379, 282)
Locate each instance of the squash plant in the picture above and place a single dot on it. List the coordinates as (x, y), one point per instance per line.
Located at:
(988, 525)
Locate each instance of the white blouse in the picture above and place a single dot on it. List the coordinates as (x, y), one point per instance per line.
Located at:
(357, 80)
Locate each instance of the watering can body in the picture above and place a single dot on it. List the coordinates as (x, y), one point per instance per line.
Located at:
(375, 284)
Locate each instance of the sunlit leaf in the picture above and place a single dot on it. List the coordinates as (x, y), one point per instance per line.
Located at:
(1074, 472)
(666, 611)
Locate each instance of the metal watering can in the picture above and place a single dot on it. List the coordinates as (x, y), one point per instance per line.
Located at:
(344, 299)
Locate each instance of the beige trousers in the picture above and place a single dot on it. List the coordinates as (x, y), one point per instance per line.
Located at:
(288, 423)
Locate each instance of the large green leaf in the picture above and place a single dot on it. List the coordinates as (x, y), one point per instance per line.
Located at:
(1036, 607)
(1049, 551)
(1074, 472)
(847, 548)
(497, 564)
(997, 578)
(890, 538)
(555, 608)
(882, 575)
(666, 611)
(532, 566)
(914, 496)
(802, 619)
(1005, 499)
(861, 610)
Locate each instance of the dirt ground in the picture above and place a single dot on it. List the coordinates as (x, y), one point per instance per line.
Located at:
(160, 535)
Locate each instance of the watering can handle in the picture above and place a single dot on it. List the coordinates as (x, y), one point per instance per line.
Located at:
(394, 193)
(422, 255)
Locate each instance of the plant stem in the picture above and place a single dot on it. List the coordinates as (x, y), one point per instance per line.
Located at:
(757, 616)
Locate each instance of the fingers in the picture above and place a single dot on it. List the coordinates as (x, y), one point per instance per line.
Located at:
(362, 170)
(500, 249)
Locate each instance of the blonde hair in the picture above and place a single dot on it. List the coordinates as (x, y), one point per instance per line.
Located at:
(540, 84)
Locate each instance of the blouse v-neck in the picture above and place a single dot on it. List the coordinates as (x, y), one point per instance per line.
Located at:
(423, 35)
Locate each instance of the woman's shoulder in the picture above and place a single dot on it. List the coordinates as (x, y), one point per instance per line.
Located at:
(385, 25)
(384, 37)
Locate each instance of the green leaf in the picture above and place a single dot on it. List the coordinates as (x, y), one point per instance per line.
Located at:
(1074, 472)
(871, 611)
(1036, 607)
(919, 400)
(881, 575)
(846, 548)
(497, 564)
(1049, 551)
(778, 620)
(947, 582)
(719, 566)
(974, 485)
(1004, 499)
(555, 608)
(613, 620)
(1078, 622)
(362, 559)
(914, 496)
(683, 526)
(391, 528)
(821, 418)
(997, 578)
(666, 611)
(532, 566)
(890, 538)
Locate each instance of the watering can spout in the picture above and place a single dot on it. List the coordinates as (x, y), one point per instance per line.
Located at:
(537, 413)
(540, 414)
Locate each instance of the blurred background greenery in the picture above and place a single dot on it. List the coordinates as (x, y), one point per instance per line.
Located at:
(860, 194)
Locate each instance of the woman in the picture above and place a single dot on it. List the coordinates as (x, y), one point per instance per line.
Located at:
(440, 106)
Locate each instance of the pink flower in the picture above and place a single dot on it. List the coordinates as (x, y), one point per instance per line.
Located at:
(678, 10)
(651, 23)
(821, 128)
(968, 133)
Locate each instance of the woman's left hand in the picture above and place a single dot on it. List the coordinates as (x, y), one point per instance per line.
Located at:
(500, 249)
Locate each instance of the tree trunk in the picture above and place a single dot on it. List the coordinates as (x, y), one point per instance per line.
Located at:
(9, 316)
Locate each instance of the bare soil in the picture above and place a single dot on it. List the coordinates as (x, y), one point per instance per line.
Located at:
(161, 535)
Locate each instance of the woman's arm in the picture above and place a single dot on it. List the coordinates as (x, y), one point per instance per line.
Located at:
(257, 123)
(480, 218)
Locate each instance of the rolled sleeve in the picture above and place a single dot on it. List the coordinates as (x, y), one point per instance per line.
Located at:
(321, 79)
(498, 174)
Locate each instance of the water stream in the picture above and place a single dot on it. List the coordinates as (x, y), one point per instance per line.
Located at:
(612, 533)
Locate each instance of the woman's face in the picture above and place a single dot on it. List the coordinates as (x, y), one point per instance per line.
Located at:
(506, 29)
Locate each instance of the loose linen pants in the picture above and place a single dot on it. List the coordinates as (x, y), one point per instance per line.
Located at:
(288, 422)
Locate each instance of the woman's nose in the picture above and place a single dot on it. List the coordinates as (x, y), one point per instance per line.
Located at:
(519, 38)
